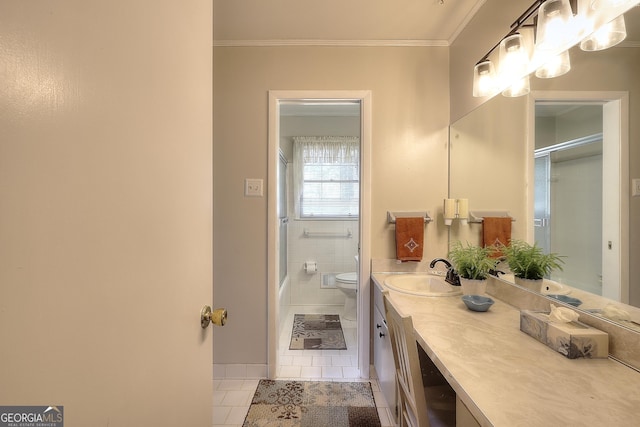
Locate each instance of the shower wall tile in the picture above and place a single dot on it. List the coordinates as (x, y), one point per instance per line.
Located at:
(332, 255)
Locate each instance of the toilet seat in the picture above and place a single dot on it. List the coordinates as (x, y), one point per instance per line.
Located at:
(347, 280)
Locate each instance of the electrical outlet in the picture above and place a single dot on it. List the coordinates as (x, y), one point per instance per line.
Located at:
(253, 187)
(635, 187)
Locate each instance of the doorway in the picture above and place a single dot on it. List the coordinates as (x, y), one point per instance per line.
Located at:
(318, 220)
(580, 147)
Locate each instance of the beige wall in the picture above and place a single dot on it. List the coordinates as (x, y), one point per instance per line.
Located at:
(410, 94)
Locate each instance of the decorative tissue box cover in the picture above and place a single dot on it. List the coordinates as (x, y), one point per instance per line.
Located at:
(573, 339)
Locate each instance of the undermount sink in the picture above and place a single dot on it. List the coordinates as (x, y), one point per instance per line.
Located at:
(426, 285)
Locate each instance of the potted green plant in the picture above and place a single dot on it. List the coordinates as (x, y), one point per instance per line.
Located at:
(529, 264)
(472, 263)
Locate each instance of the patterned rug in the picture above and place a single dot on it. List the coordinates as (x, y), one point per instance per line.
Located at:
(317, 332)
(312, 404)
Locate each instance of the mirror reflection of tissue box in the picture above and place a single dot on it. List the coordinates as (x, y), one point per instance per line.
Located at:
(573, 339)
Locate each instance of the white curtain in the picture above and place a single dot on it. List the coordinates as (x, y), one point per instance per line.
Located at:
(320, 149)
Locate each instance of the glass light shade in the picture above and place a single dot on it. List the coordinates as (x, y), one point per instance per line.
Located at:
(514, 61)
(556, 28)
(484, 79)
(519, 88)
(607, 36)
(555, 66)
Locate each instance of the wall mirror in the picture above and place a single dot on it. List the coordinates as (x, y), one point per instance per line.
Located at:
(493, 164)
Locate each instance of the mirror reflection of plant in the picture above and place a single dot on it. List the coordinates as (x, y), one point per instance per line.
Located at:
(528, 261)
(470, 261)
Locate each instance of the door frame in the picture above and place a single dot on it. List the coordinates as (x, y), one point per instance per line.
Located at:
(364, 269)
(615, 128)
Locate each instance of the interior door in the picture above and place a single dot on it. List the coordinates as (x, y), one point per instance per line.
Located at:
(106, 210)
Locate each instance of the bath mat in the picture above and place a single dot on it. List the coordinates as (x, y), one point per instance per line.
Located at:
(317, 332)
(312, 404)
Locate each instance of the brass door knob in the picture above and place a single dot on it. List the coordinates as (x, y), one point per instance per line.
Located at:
(218, 316)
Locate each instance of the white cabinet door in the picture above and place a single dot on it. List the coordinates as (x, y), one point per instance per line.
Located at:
(106, 210)
(383, 358)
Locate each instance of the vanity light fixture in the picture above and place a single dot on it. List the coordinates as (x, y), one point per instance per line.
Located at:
(557, 26)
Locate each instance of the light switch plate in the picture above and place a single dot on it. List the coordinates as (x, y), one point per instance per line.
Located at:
(635, 187)
(253, 187)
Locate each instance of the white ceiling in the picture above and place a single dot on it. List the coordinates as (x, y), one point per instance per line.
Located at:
(405, 22)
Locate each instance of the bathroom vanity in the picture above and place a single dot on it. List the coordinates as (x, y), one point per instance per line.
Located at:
(505, 377)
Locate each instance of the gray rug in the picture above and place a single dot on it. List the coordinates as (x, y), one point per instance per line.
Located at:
(317, 332)
(312, 404)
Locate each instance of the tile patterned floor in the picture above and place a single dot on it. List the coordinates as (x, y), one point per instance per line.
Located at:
(232, 397)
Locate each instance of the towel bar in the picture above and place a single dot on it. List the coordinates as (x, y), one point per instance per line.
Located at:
(478, 216)
(391, 216)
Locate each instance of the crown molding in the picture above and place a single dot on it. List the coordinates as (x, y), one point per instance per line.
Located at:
(466, 21)
(344, 43)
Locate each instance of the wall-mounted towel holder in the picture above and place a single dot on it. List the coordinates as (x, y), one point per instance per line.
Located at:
(391, 216)
(478, 216)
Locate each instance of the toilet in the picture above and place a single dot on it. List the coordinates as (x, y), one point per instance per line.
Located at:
(348, 283)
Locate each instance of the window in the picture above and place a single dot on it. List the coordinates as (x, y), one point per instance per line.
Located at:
(326, 177)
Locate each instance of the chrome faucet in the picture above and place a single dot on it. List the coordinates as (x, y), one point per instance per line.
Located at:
(452, 276)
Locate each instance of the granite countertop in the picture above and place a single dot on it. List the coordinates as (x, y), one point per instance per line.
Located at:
(507, 378)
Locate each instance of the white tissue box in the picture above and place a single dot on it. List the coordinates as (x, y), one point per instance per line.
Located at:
(573, 339)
